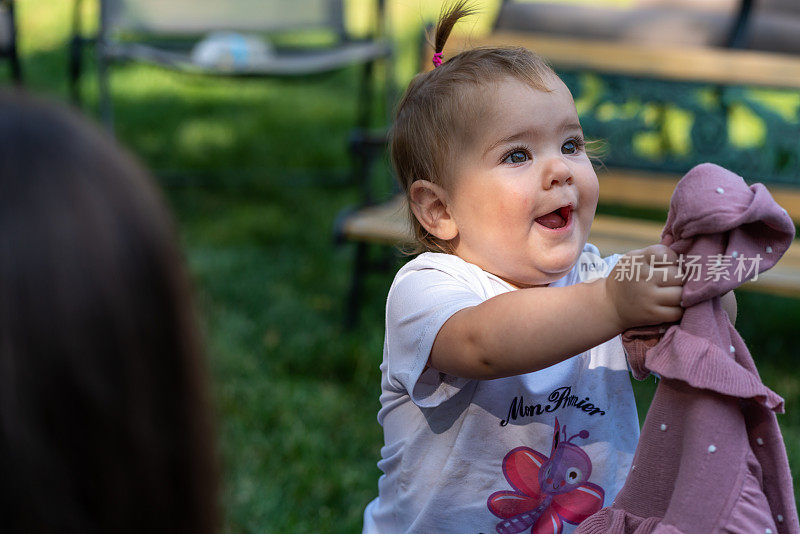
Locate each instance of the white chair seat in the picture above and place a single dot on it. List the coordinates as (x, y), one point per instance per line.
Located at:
(283, 63)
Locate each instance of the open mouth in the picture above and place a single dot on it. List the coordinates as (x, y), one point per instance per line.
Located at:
(558, 218)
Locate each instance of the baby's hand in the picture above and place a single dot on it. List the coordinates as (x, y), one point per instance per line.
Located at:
(645, 287)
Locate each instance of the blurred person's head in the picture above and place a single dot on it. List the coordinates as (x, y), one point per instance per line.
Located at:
(104, 421)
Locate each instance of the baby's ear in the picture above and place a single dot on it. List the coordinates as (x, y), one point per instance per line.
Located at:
(429, 202)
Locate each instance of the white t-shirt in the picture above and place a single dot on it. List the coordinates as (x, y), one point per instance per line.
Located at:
(455, 446)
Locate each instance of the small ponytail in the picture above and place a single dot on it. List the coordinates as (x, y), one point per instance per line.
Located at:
(447, 19)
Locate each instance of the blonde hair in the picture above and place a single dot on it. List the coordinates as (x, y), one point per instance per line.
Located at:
(438, 111)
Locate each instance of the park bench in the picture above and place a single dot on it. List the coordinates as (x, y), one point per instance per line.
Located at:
(768, 25)
(662, 80)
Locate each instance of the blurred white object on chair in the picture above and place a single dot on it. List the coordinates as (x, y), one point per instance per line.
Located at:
(231, 51)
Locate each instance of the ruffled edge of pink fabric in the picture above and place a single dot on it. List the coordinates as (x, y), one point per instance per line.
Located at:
(618, 520)
(637, 341)
(680, 355)
(750, 513)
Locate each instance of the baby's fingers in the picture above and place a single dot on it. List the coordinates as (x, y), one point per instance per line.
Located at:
(672, 276)
(670, 314)
(659, 253)
(669, 296)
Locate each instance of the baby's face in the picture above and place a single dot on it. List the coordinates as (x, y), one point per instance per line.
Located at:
(524, 195)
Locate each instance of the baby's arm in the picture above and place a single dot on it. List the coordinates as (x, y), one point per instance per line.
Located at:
(530, 329)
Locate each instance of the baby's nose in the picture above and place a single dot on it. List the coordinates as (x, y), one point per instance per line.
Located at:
(555, 172)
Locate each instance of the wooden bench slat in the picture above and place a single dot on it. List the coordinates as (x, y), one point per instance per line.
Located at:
(385, 223)
(388, 224)
(678, 63)
(654, 190)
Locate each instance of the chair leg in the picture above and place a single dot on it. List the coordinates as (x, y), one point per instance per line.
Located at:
(390, 95)
(737, 35)
(362, 156)
(16, 69)
(75, 68)
(356, 287)
(106, 109)
(364, 107)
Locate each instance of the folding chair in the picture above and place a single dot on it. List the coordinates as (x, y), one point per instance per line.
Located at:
(163, 33)
(8, 38)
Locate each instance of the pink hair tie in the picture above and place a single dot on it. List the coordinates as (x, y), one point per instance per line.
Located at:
(437, 59)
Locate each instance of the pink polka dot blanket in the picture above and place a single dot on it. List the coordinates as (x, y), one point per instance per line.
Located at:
(711, 457)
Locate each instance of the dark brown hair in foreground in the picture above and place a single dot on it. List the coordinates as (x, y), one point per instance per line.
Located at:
(104, 421)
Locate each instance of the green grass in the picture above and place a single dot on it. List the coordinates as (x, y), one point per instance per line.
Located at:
(256, 172)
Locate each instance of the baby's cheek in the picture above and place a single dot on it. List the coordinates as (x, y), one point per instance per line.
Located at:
(508, 208)
(589, 199)
(522, 204)
(590, 189)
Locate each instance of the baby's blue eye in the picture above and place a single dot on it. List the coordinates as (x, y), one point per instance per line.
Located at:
(570, 147)
(518, 156)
